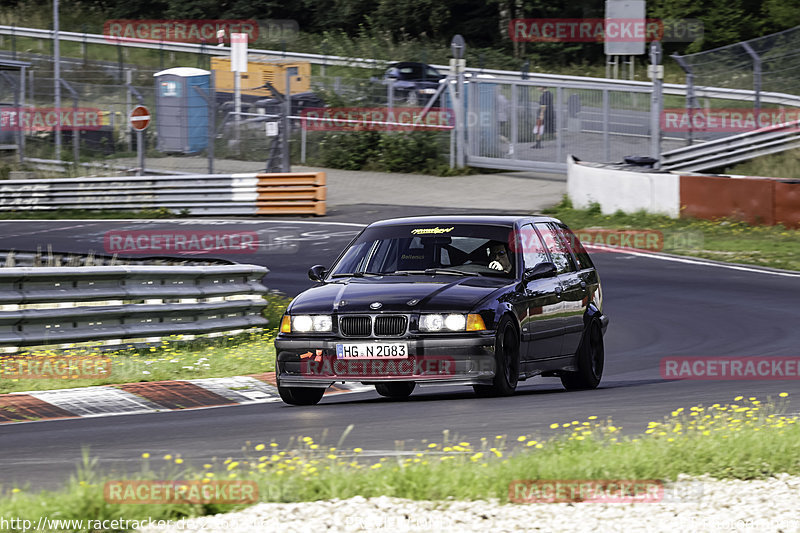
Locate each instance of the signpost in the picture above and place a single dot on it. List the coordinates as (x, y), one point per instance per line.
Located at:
(139, 120)
(238, 65)
(457, 65)
(622, 12)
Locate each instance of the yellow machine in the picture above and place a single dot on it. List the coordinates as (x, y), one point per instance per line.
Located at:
(262, 69)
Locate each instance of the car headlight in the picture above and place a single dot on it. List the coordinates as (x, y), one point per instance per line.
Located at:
(451, 322)
(428, 91)
(306, 324)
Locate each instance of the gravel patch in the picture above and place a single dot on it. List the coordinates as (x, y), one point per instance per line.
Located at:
(690, 504)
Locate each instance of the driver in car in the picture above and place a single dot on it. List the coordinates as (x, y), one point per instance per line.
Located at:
(498, 257)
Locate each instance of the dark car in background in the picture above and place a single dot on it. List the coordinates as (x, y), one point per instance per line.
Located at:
(413, 83)
(485, 301)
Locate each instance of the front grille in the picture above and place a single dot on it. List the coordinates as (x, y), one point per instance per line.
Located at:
(390, 325)
(356, 326)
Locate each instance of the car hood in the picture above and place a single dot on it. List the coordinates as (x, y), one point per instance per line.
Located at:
(397, 294)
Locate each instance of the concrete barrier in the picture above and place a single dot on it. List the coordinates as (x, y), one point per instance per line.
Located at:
(755, 200)
(615, 188)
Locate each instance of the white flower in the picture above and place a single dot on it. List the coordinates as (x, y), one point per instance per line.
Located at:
(145, 372)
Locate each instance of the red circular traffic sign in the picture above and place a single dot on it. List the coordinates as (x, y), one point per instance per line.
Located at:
(140, 118)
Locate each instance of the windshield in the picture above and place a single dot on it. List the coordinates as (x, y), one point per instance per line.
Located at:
(460, 249)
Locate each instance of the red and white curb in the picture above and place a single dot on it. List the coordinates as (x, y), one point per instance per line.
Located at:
(146, 397)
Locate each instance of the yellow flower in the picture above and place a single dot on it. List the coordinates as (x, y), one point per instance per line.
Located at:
(168, 457)
(738, 398)
(540, 445)
(359, 450)
(260, 447)
(431, 445)
(145, 455)
(15, 490)
(783, 394)
(178, 461)
(592, 417)
(273, 444)
(553, 426)
(521, 438)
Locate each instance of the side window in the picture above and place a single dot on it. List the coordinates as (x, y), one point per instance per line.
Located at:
(533, 251)
(558, 248)
(577, 248)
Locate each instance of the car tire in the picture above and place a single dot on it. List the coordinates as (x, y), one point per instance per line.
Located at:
(590, 359)
(301, 395)
(506, 357)
(397, 390)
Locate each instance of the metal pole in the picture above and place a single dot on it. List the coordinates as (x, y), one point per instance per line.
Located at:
(76, 139)
(128, 107)
(756, 78)
(559, 124)
(461, 137)
(287, 111)
(514, 121)
(237, 105)
(656, 104)
(21, 142)
(606, 144)
(303, 139)
(689, 94)
(57, 77)
(140, 152)
(212, 120)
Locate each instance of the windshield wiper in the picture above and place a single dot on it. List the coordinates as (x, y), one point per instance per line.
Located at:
(451, 271)
(356, 274)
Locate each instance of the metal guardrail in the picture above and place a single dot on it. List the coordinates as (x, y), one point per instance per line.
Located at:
(203, 194)
(320, 59)
(49, 258)
(733, 149)
(65, 305)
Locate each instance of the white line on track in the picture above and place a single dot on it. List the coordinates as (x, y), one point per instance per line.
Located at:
(700, 262)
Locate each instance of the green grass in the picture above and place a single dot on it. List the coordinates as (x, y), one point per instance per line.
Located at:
(781, 165)
(746, 439)
(247, 353)
(230, 356)
(721, 240)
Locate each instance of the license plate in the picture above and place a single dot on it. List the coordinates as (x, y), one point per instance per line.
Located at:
(376, 350)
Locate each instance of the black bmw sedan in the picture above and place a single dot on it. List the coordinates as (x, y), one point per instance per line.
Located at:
(484, 301)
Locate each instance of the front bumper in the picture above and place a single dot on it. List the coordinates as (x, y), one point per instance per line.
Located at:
(312, 362)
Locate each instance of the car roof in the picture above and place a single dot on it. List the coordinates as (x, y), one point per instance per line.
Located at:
(498, 220)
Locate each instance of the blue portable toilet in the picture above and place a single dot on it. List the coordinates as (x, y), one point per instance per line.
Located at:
(181, 113)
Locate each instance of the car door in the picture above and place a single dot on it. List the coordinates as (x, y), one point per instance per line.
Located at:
(573, 288)
(588, 280)
(542, 326)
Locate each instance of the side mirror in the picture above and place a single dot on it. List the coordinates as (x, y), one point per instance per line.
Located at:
(316, 273)
(542, 270)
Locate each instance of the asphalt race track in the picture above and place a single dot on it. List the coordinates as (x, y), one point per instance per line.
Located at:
(658, 307)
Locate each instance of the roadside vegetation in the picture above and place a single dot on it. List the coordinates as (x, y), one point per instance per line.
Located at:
(721, 240)
(745, 439)
(781, 165)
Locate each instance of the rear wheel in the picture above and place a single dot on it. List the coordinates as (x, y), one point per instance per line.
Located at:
(591, 358)
(397, 390)
(506, 357)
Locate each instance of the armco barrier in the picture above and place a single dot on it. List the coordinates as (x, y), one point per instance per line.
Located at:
(205, 194)
(63, 305)
(618, 187)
